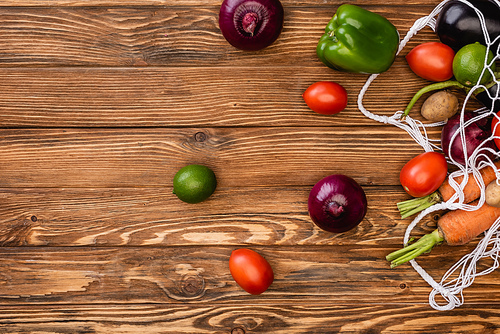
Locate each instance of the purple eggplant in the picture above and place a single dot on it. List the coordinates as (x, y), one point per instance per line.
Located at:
(458, 24)
(490, 98)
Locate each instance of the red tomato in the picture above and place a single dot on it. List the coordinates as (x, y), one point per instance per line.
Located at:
(432, 61)
(423, 175)
(495, 129)
(250, 270)
(326, 97)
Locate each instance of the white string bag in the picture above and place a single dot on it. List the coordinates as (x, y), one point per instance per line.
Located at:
(465, 270)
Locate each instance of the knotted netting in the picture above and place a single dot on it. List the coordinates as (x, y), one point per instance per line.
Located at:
(462, 274)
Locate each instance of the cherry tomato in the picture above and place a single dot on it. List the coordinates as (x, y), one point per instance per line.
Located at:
(432, 61)
(495, 129)
(423, 174)
(326, 97)
(250, 270)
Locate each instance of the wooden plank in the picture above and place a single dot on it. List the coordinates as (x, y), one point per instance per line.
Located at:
(330, 275)
(154, 216)
(190, 3)
(164, 36)
(190, 97)
(101, 102)
(238, 319)
(241, 157)
(180, 97)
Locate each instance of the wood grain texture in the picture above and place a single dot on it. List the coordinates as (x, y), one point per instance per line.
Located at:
(235, 319)
(155, 217)
(199, 275)
(193, 97)
(151, 157)
(163, 36)
(101, 102)
(193, 3)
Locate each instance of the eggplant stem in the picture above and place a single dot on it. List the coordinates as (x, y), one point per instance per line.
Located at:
(411, 251)
(430, 88)
(415, 205)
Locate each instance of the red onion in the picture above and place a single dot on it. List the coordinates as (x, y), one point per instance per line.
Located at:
(476, 134)
(251, 24)
(337, 203)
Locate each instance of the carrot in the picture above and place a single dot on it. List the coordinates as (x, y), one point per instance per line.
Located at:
(456, 227)
(472, 191)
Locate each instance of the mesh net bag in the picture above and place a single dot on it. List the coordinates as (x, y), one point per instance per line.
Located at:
(462, 274)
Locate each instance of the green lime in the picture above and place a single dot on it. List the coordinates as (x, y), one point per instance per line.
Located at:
(194, 183)
(468, 64)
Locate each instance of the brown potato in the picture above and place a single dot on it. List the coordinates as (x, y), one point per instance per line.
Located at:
(492, 194)
(440, 106)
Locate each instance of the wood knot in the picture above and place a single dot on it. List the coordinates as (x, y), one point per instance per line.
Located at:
(192, 285)
(200, 137)
(237, 330)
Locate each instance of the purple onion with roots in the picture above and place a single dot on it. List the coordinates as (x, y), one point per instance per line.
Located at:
(251, 24)
(476, 134)
(337, 203)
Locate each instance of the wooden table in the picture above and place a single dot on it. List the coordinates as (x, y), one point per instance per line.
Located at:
(103, 101)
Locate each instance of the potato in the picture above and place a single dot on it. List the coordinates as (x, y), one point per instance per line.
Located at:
(440, 106)
(492, 194)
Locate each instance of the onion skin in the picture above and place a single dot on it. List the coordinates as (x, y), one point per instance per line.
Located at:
(337, 203)
(251, 25)
(475, 134)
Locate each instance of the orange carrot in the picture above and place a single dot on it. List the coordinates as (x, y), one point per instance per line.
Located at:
(456, 227)
(471, 190)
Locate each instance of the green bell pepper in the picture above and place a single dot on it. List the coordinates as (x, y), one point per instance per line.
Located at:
(357, 40)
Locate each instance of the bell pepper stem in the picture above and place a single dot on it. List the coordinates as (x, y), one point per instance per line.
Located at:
(430, 88)
(411, 251)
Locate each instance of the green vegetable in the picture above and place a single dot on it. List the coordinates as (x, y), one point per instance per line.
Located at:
(357, 40)
(468, 65)
(412, 250)
(431, 88)
(194, 183)
(415, 205)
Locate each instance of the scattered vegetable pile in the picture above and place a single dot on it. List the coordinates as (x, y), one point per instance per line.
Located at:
(456, 227)
(468, 68)
(470, 192)
(462, 62)
(467, 138)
